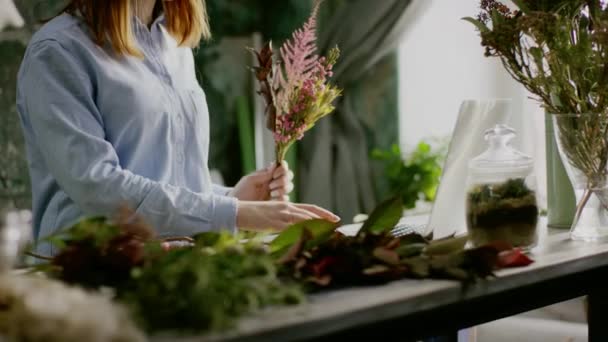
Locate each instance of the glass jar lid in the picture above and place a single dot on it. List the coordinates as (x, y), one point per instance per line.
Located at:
(500, 157)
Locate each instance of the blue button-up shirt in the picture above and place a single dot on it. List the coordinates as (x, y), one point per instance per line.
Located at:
(104, 130)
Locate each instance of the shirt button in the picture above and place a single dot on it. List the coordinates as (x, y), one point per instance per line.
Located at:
(180, 158)
(179, 117)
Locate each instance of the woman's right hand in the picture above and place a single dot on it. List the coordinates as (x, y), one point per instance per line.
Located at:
(276, 216)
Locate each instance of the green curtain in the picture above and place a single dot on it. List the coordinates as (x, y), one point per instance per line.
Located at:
(335, 170)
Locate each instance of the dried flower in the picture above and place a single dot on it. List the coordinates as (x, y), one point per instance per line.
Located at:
(296, 88)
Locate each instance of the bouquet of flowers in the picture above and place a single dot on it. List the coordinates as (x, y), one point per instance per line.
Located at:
(295, 87)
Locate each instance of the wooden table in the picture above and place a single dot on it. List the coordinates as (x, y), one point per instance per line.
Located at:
(417, 309)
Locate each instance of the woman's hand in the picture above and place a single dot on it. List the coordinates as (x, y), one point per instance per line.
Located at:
(276, 216)
(273, 183)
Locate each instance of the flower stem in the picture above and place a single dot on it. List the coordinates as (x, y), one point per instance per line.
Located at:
(581, 205)
(281, 151)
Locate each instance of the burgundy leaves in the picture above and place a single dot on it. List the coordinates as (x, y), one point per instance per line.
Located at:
(375, 256)
(263, 73)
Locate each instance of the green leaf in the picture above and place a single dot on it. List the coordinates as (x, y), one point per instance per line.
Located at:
(57, 242)
(480, 26)
(295, 249)
(413, 238)
(385, 217)
(206, 239)
(446, 246)
(319, 229)
(411, 250)
(424, 148)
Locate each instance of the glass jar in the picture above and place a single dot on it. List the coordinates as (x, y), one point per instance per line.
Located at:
(501, 203)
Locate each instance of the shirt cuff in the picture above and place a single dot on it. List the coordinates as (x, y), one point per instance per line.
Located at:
(221, 190)
(225, 213)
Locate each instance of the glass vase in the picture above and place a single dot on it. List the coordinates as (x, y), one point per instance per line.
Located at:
(583, 147)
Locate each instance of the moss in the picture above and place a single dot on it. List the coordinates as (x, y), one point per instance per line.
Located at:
(502, 212)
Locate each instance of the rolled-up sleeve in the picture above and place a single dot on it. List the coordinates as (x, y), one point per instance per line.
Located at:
(69, 131)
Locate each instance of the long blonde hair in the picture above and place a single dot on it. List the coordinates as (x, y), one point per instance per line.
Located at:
(110, 21)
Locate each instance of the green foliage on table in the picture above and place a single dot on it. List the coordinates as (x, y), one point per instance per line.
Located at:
(203, 286)
(206, 288)
(416, 176)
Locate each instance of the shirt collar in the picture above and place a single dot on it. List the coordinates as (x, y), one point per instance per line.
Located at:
(139, 25)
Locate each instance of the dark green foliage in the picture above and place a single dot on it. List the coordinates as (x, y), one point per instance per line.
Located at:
(511, 189)
(95, 253)
(207, 287)
(274, 19)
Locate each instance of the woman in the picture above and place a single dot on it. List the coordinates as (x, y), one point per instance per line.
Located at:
(113, 114)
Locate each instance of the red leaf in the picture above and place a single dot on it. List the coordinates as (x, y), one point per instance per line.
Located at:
(394, 244)
(321, 267)
(513, 258)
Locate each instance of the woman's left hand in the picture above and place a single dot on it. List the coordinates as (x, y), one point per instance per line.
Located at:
(273, 183)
